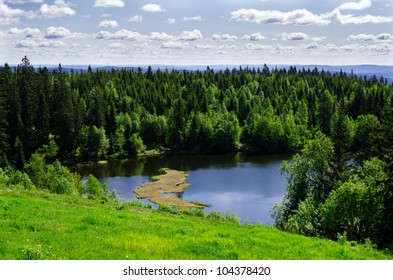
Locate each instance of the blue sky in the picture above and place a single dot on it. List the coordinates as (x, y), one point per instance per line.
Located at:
(196, 32)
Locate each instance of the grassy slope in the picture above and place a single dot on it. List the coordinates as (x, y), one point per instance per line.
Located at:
(38, 225)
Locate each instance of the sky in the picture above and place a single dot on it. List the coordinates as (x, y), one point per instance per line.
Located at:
(196, 32)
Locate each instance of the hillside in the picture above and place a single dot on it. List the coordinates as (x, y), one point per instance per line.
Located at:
(40, 225)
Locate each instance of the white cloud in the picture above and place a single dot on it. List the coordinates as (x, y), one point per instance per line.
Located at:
(59, 8)
(204, 46)
(294, 36)
(258, 47)
(336, 17)
(361, 37)
(41, 44)
(26, 44)
(24, 1)
(312, 46)
(50, 44)
(120, 35)
(254, 37)
(108, 24)
(224, 37)
(157, 36)
(318, 39)
(384, 37)
(171, 21)
(152, 8)
(299, 17)
(304, 17)
(191, 35)
(196, 18)
(136, 18)
(29, 32)
(108, 3)
(57, 32)
(361, 5)
(174, 45)
(9, 15)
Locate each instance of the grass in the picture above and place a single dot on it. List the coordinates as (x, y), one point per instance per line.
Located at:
(39, 225)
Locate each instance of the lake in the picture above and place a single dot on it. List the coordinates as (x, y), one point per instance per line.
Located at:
(247, 185)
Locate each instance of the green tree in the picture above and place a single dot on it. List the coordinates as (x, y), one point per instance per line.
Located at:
(354, 209)
(325, 111)
(310, 173)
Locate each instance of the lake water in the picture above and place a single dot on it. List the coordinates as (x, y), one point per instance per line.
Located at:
(247, 185)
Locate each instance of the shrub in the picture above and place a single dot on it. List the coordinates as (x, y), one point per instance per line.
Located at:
(354, 209)
(305, 221)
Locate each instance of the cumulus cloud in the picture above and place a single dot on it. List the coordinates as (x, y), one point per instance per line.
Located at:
(318, 39)
(196, 18)
(108, 3)
(191, 35)
(304, 17)
(59, 8)
(224, 37)
(26, 44)
(29, 32)
(120, 35)
(9, 15)
(152, 8)
(254, 37)
(40, 44)
(174, 45)
(57, 32)
(108, 24)
(361, 5)
(312, 46)
(371, 37)
(294, 36)
(204, 46)
(157, 36)
(258, 47)
(337, 17)
(136, 18)
(299, 17)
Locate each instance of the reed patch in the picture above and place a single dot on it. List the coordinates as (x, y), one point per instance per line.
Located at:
(171, 181)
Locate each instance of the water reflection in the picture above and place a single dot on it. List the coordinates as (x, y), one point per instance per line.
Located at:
(246, 185)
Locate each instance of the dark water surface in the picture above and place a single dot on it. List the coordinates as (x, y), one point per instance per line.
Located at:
(247, 185)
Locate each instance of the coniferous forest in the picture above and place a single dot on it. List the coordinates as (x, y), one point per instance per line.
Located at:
(337, 125)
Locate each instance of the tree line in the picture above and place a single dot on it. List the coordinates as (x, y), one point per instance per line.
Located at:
(337, 123)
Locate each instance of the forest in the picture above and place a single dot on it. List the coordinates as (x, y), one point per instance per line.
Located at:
(337, 125)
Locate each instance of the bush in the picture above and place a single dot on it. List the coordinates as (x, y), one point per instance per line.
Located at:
(214, 215)
(93, 187)
(305, 221)
(354, 209)
(15, 179)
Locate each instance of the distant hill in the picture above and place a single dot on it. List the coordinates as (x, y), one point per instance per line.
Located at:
(367, 70)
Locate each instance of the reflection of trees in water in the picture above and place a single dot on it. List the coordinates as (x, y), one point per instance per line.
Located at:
(150, 166)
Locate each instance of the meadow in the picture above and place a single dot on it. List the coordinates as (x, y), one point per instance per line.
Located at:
(41, 225)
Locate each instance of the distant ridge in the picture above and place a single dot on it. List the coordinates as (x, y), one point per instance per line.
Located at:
(368, 70)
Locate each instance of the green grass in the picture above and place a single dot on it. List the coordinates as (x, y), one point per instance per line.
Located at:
(39, 225)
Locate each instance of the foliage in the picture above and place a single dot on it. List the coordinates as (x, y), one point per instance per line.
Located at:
(94, 114)
(308, 174)
(355, 209)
